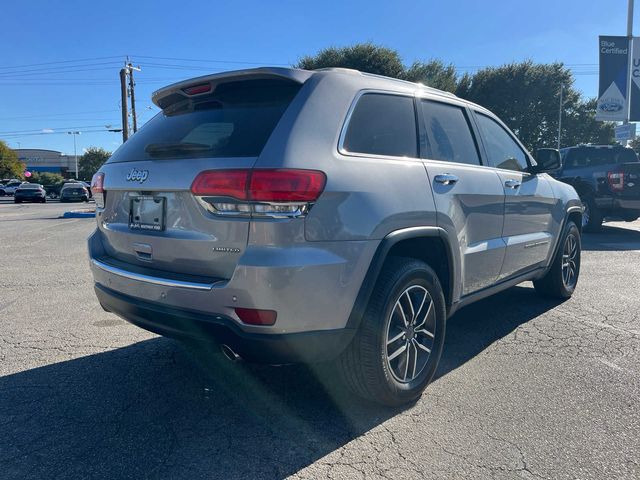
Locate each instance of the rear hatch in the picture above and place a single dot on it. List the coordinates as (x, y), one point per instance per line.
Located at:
(151, 219)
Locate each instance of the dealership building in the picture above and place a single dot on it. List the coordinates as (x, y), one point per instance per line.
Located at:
(39, 160)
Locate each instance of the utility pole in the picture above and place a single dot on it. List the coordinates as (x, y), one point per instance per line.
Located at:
(560, 115)
(125, 110)
(75, 153)
(130, 69)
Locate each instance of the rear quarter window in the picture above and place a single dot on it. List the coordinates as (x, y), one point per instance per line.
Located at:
(236, 120)
(382, 124)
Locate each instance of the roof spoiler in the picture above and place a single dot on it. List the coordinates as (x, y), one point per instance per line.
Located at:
(206, 84)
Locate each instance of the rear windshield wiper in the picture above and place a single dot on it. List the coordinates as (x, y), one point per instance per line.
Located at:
(159, 149)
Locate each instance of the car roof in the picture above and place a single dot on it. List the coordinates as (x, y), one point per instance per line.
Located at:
(363, 80)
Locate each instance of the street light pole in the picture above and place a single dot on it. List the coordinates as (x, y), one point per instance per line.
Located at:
(75, 153)
(560, 116)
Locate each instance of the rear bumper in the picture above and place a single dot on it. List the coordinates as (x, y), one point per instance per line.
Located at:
(312, 286)
(257, 347)
(619, 204)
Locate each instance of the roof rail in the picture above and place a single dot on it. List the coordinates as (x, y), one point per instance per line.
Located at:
(407, 82)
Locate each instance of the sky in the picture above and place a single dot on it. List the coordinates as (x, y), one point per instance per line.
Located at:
(61, 59)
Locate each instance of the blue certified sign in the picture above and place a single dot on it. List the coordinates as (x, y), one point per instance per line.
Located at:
(614, 74)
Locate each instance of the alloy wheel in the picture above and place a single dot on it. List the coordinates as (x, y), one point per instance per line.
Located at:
(570, 261)
(410, 333)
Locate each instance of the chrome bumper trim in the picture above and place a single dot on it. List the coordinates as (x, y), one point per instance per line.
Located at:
(165, 282)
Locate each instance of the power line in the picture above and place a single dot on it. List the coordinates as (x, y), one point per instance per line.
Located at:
(40, 130)
(59, 62)
(58, 70)
(56, 115)
(231, 62)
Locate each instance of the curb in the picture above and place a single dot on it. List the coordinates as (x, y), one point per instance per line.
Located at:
(79, 214)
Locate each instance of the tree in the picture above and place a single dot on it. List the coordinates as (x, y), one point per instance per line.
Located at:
(365, 57)
(379, 60)
(46, 178)
(433, 73)
(10, 166)
(526, 96)
(579, 125)
(91, 161)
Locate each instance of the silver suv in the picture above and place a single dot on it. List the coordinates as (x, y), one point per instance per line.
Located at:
(301, 216)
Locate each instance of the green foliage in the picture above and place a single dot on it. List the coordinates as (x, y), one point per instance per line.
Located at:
(433, 74)
(365, 57)
(10, 166)
(526, 97)
(47, 178)
(91, 161)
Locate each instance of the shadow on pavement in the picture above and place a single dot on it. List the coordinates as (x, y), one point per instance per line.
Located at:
(611, 238)
(157, 409)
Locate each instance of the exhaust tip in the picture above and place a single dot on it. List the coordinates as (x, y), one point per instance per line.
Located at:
(228, 352)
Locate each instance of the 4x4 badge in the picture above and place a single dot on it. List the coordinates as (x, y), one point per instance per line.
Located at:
(136, 175)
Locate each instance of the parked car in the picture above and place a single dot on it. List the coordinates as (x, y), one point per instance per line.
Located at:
(10, 187)
(298, 216)
(30, 192)
(607, 178)
(74, 192)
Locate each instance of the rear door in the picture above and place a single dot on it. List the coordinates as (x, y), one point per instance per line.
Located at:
(150, 218)
(529, 200)
(469, 197)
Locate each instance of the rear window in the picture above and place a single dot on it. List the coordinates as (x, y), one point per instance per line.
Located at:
(593, 157)
(73, 190)
(382, 124)
(236, 120)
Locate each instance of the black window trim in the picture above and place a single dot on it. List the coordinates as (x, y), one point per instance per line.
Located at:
(347, 120)
(485, 155)
(426, 148)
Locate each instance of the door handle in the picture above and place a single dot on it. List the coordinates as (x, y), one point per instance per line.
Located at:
(512, 183)
(446, 179)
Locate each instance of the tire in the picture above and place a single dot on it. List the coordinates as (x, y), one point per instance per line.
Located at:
(365, 366)
(592, 216)
(44, 200)
(556, 283)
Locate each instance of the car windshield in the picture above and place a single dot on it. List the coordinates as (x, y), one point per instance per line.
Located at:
(29, 187)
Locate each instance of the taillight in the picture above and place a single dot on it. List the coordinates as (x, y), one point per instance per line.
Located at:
(616, 181)
(286, 185)
(97, 189)
(222, 183)
(259, 192)
(252, 316)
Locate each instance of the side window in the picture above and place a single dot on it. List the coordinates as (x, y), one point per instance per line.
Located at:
(382, 125)
(448, 133)
(502, 150)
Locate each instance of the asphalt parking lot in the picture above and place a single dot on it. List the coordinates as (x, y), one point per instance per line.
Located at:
(527, 388)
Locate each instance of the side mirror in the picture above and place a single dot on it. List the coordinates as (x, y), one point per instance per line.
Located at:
(548, 160)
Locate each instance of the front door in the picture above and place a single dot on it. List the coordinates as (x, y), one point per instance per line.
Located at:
(529, 200)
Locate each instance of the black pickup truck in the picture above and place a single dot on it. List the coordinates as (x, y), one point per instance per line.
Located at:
(607, 178)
